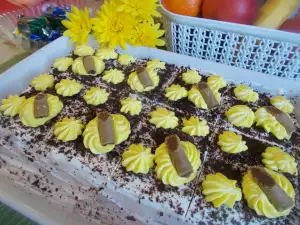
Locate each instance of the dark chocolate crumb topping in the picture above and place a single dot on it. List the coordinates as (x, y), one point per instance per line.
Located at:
(41, 141)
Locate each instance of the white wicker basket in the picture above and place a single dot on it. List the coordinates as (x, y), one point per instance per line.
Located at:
(263, 50)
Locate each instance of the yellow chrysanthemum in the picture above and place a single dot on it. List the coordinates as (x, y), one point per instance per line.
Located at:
(112, 28)
(148, 34)
(78, 25)
(143, 10)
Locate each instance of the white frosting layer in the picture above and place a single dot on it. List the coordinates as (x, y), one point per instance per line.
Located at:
(75, 175)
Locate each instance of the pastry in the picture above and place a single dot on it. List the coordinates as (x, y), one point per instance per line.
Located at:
(137, 129)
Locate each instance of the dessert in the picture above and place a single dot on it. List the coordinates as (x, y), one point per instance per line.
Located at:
(123, 135)
(138, 159)
(219, 190)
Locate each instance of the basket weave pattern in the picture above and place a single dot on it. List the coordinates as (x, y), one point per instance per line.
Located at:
(271, 52)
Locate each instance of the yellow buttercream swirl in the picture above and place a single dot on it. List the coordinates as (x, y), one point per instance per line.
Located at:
(276, 159)
(78, 66)
(194, 95)
(113, 76)
(164, 118)
(131, 105)
(216, 82)
(126, 59)
(68, 129)
(11, 106)
(91, 138)
(84, 50)
(27, 111)
(96, 96)
(135, 84)
(62, 64)
(231, 142)
(258, 201)
(176, 92)
(138, 159)
(155, 65)
(68, 87)
(280, 102)
(245, 94)
(195, 127)
(196, 98)
(270, 124)
(165, 170)
(42, 82)
(240, 116)
(107, 53)
(191, 77)
(220, 190)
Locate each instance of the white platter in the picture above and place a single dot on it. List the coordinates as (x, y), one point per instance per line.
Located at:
(16, 79)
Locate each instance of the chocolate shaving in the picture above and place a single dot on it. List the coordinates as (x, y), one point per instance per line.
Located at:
(144, 77)
(178, 157)
(105, 128)
(41, 107)
(282, 118)
(208, 95)
(276, 196)
(89, 65)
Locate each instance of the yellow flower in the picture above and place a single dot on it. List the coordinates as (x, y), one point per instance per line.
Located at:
(112, 28)
(148, 34)
(78, 25)
(142, 9)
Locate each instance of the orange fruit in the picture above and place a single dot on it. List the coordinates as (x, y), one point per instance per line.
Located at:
(183, 7)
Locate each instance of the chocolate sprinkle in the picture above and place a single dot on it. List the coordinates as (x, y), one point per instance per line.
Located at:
(41, 142)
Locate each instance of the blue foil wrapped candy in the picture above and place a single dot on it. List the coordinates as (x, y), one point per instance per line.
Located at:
(38, 31)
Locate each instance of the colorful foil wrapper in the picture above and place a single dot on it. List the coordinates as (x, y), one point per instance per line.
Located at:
(38, 31)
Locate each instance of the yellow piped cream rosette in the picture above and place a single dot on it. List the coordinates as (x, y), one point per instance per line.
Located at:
(231, 142)
(270, 124)
(12, 105)
(220, 190)
(195, 127)
(240, 116)
(155, 65)
(67, 87)
(216, 82)
(78, 66)
(135, 84)
(245, 94)
(176, 92)
(95, 96)
(194, 95)
(164, 118)
(276, 159)
(114, 76)
(191, 77)
(106, 53)
(165, 169)
(84, 50)
(91, 138)
(27, 111)
(126, 59)
(283, 104)
(42, 82)
(68, 129)
(138, 159)
(131, 105)
(257, 199)
(62, 64)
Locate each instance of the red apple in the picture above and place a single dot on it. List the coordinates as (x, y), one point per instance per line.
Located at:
(291, 25)
(235, 11)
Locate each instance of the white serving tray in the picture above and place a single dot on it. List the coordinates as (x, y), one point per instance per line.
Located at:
(16, 79)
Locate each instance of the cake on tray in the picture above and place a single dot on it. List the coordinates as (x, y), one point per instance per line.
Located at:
(181, 143)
